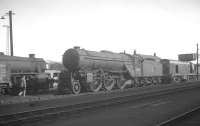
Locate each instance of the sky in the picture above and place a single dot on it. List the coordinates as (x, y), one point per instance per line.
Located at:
(48, 28)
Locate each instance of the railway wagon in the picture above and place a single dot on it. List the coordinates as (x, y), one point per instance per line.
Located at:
(178, 71)
(93, 71)
(13, 68)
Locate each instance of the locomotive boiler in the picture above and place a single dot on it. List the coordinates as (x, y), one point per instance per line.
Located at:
(23, 64)
(13, 68)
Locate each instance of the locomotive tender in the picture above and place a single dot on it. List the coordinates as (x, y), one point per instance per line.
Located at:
(94, 71)
(13, 68)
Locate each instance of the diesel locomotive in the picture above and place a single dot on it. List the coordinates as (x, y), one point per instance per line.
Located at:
(13, 68)
(105, 70)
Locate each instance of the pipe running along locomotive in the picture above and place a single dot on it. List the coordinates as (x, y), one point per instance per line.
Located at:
(94, 71)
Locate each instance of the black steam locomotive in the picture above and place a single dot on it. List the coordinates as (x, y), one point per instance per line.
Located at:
(13, 68)
(94, 71)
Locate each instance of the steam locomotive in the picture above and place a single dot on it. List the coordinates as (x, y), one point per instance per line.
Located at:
(13, 68)
(105, 70)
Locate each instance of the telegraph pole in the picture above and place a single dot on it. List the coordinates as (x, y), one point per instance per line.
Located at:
(9, 14)
(197, 61)
(11, 32)
(7, 39)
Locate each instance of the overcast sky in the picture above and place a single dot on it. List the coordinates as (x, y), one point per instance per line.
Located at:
(49, 27)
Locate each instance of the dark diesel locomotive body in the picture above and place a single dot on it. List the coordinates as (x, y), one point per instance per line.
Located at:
(13, 68)
(93, 71)
(178, 70)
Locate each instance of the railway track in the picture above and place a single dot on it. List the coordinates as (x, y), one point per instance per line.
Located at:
(188, 118)
(67, 110)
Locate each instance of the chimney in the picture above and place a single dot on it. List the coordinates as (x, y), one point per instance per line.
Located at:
(134, 52)
(31, 55)
(76, 47)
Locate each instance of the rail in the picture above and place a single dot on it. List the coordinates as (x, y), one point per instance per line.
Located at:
(176, 119)
(48, 112)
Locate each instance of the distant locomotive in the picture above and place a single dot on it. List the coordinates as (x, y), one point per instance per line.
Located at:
(178, 70)
(13, 68)
(94, 71)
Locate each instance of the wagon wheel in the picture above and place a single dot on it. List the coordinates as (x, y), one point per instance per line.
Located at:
(160, 81)
(109, 83)
(75, 86)
(176, 80)
(97, 84)
(136, 82)
(154, 81)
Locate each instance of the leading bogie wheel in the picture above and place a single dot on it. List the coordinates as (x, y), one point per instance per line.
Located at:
(76, 87)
